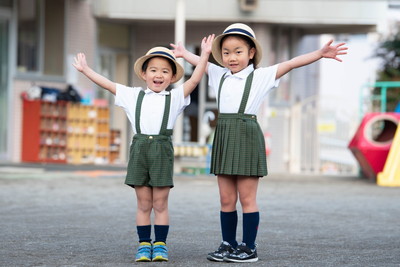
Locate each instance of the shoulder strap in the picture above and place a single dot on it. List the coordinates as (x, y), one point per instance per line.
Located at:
(219, 89)
(164, 125)
(138, 110)
(246, 93)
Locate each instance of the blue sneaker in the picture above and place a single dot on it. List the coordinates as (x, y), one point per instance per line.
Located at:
(144, 252)
(160, 251)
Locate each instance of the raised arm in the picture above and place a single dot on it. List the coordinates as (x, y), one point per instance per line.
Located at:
(181, 52)
(201, 65)
(82, 66)
(327, 51)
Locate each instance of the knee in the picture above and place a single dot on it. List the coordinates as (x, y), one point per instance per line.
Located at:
(160, 205)
(248, 202)
(228, 201)
(144, 205)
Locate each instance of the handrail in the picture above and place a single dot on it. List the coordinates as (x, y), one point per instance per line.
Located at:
(384, 85)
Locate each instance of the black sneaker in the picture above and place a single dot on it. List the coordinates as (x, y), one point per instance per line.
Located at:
(224, 250)
(242, 254)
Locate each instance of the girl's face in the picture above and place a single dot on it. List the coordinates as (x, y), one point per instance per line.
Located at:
(236, 53)
(158, 75)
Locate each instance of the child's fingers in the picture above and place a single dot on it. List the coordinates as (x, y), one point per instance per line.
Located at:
(338, 45)
(210, 38)
(329, 42)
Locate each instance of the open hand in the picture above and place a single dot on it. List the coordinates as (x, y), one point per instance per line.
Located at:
(178, 50)
(80, 62)
(206, 44)
(332, 51)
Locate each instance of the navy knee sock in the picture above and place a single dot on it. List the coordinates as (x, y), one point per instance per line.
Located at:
(229, 222)
(250, 228)
(144, 233)
(161, 233)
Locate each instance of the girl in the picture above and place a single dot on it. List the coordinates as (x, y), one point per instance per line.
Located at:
(152, 113)
(238, 152)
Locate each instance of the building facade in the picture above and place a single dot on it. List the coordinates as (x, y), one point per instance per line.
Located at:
(39, 39)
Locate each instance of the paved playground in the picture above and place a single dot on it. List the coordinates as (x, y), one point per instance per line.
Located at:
(72, 217)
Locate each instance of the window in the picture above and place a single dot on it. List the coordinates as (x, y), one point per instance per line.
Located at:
(41, 37)
(28, 36)
(5, 3)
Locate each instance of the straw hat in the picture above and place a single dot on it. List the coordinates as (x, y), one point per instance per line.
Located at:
(236, 28)
(158, 52)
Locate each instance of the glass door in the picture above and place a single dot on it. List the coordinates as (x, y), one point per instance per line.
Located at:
(4, 66)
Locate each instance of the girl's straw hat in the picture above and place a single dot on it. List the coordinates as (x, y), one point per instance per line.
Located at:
(158, 52)
(236, 28)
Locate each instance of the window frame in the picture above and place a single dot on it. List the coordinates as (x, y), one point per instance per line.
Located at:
(39, 75)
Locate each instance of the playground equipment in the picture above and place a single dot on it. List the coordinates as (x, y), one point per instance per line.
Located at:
(382, 97)
(391, 171)
(372, 141)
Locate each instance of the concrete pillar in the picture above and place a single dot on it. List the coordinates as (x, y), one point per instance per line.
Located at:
(179, 37)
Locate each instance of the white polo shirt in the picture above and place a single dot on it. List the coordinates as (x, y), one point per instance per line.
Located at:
(153, 104)
(233, 87)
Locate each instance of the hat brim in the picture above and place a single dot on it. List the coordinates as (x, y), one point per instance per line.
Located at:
(140, 61)
(217, 53)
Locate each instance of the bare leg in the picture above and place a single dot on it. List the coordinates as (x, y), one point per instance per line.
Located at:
(160, 205)
(247, 187)
(144, 196)
(228, 193)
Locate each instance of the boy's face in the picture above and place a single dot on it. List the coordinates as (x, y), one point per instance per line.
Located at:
(158, 75)
(236, 53)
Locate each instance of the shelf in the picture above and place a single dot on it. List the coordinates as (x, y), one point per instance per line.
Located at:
(65, 132)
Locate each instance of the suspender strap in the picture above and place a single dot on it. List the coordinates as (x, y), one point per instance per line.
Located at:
(164, 125)
(219, 89)
(246, 92)
(138, 111)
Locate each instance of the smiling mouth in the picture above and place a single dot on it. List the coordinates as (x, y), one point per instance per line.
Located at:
(158, 82)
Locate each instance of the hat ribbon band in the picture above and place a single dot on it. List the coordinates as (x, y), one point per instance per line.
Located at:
(163, 53)
(239, 30)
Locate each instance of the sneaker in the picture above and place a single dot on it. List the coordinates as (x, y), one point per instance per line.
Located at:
(242, 254)
(224, 250)
(160, 251)
(144, 252)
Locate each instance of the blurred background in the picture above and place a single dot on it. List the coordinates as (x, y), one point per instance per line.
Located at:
(50, 113)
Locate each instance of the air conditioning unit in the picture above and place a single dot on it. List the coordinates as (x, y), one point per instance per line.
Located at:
(248, 5)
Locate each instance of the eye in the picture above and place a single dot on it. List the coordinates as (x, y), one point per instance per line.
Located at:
(225, 53)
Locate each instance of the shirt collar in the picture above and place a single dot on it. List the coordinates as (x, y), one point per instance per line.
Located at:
(243, 73)
(149, 91)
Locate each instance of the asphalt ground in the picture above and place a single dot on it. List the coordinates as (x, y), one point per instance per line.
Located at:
(85, 216)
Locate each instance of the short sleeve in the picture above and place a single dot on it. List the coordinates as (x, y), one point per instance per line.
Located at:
(179, 101)
(125, 95)
(215, 74)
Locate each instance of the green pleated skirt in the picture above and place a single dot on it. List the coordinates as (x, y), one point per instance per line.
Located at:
(238, 146)
(151, 161)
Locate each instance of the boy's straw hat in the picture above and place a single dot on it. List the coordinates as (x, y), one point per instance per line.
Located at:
(158, 52)
(236, 28)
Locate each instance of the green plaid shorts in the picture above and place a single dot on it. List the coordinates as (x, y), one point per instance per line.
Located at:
(151, 161)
